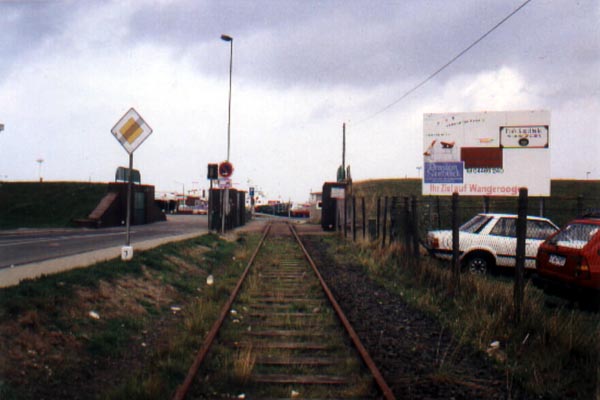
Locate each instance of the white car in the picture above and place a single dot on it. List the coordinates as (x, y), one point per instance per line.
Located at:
(487, 241)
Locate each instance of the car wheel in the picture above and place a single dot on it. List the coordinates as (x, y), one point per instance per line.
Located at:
(478, 264)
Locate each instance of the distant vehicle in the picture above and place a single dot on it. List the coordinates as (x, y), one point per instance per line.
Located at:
(300, 211)
(569, 261)
(488, 241)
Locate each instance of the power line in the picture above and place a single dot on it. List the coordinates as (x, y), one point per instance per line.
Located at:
(443, 67)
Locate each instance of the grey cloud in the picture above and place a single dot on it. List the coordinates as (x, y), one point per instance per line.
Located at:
(26, 25)
(361, 43)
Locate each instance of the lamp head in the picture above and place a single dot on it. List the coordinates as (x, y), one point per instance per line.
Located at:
(226, 38)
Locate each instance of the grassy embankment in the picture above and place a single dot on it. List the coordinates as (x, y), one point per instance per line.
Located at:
(560, 207)
(553, 352)
(118, 330)
(47, 204)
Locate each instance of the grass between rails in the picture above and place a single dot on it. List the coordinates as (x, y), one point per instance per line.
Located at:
(235, 359)
(552, 353)
(118, 330)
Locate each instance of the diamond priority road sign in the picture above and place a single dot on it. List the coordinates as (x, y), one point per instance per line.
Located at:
(131, 130)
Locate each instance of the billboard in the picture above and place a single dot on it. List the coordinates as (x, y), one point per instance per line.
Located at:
(490, 153)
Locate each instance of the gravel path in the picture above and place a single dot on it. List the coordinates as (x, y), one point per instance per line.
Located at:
(418, 359)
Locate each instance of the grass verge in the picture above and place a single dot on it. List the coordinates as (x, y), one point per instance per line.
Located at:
(552, 353)
(47, 204)
(121, 330)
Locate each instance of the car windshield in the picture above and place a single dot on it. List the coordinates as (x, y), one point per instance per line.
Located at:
(475, 224)
(575, 236)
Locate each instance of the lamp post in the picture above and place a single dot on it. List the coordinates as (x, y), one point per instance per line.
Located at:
(40, 161)
(229, 39)
(225, 198)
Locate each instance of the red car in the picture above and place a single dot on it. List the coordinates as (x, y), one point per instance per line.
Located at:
(569, 261)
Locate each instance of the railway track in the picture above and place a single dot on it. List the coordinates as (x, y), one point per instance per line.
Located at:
(282, 335)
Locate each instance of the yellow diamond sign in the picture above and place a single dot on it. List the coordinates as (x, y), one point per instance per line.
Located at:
(131, 130)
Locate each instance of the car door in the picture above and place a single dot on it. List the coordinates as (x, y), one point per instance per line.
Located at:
(537, 232)
(503, 239)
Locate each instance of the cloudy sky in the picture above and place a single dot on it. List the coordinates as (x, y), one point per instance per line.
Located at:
(70, 69)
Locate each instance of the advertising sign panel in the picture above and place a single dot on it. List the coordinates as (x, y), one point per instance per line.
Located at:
(486, 153)
(338, 193)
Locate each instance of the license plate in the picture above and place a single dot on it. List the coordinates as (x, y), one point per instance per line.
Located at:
(557, 260)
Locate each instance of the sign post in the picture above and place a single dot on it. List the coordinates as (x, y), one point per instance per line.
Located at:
(225, 172)
(131, 130)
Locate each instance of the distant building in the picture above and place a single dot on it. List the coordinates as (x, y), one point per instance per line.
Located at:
(316, 203)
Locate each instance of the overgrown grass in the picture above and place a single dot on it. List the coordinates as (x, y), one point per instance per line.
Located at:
(552, 352)
(130, 301)
(232, 362)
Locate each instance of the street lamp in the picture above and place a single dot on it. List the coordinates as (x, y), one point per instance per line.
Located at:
(40, 161)
(225, 198)
(229, 39)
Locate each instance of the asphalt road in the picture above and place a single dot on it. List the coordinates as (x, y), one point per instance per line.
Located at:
(25, 246)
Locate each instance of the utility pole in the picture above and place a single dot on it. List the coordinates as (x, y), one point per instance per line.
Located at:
(344, 150)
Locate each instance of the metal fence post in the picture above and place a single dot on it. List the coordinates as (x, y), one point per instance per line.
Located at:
(455, 244)
(520, 266)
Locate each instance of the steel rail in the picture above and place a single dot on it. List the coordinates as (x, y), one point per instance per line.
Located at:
(189, 379)
(383, 386)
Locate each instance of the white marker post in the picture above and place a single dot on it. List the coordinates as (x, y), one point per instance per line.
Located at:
(130, 131)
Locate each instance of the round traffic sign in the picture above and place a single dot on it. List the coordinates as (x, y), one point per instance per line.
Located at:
(225, 169)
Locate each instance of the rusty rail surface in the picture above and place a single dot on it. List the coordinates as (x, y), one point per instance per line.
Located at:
(383, 386)
(189, 379)
(377, 380)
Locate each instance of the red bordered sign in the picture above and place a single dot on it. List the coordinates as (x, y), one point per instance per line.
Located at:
(225, 169)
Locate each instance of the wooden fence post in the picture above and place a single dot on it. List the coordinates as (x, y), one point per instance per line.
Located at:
(364, 218)
(415, 231)
(378, 228)
(345, 216)
(520, 266)
(455, 244)
(385, 208)
(354, 218)
(407, 227)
